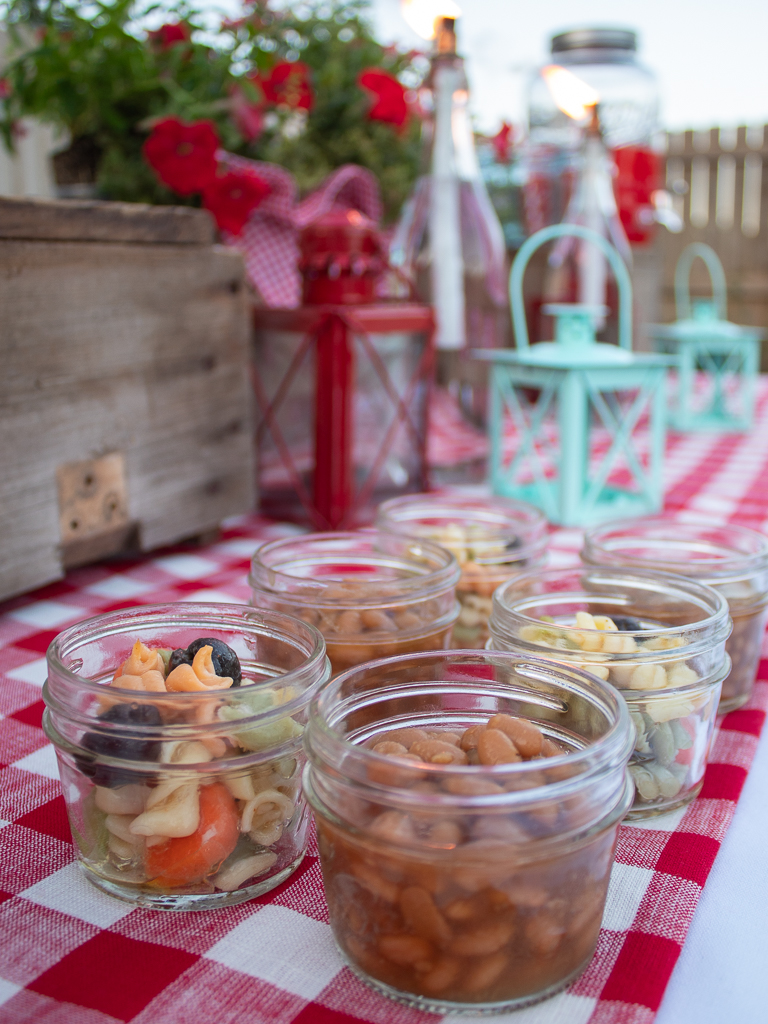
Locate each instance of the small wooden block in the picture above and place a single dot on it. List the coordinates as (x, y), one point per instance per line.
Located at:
(93, 497)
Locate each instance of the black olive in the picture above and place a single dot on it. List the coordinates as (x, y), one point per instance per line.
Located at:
(225, 661)
(626, 624)
(125, 748)
(178, 657)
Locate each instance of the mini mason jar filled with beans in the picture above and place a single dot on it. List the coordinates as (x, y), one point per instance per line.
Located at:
(467, 805)
(732, 559)
(658, 638)
(370, 593)
(178, 731)
(491, 538)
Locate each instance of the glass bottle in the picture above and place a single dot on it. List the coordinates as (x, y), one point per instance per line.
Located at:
(449, 241)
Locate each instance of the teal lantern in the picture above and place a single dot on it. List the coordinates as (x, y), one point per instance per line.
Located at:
(589, 417)
(718, 361)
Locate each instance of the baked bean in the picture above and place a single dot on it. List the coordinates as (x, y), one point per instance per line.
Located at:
(405, 949)
(348, 622)
(406, 737)
(370, 961)
(395, 772)
(462, 910)
(446, 737)
(469, 786)
(471, 736)
(442, 975)
(393, 827)
(422, 916)
(437, 752)
(482, 940)
(550, 749)
(481, 976)
(375, 883)
(544, 934)
(377, 621)
(407, 620)
(445, 833)
(524, 734)
(525, 894)
(390, 747)
(495, 747)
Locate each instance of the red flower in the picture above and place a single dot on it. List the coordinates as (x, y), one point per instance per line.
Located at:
(287, 84)
(232, 197)
(248, 116)
(390, 105)
(502, 143)
(168, 35)
(183, 156)
(5, 89)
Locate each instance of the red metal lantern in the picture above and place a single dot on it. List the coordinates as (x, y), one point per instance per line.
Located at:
(341, 384)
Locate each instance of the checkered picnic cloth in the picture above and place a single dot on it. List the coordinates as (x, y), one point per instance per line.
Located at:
(269, 242)
(72, 955)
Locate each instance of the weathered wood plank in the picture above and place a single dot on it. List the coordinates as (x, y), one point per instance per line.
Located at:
(141, 350)
(89, 220)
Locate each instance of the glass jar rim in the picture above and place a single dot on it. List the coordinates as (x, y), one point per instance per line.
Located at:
(715, 627)
(506, 519)
(189, 614)
(747, 549)
(326, 746)
(330, 547)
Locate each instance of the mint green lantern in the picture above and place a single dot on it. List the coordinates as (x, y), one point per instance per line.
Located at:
(705, 343)
(577, 454)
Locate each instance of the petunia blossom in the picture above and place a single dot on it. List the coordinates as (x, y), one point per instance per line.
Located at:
(183, 156)
(171, 33)
(232, 197)
(287, 84)
(389, 104)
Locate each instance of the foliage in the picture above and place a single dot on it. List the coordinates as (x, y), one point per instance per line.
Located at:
(336, 42)
(89, 69)
(82, 69)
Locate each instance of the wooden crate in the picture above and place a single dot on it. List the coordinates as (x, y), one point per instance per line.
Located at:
(125, 409)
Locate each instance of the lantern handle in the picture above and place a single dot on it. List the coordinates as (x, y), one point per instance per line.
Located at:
(617, 264)
(683, 279)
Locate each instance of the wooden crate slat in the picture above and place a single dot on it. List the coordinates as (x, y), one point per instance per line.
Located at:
(138, 348)
(91, 220)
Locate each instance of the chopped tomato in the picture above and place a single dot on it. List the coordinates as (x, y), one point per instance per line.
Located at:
(189, 859)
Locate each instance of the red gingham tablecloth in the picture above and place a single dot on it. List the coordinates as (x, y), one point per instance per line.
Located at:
(71, 955)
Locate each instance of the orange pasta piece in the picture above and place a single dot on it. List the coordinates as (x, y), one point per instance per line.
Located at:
(200, 675)
(141, 659)
(150, 682)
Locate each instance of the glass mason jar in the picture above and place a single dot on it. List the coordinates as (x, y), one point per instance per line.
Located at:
(371, 594)
(453, 882)
(658, 638)
(606, 60)
(184, 800)
(732, 559)
(492, 539)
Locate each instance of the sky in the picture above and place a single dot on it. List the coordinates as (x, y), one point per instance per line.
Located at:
(709, 55)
